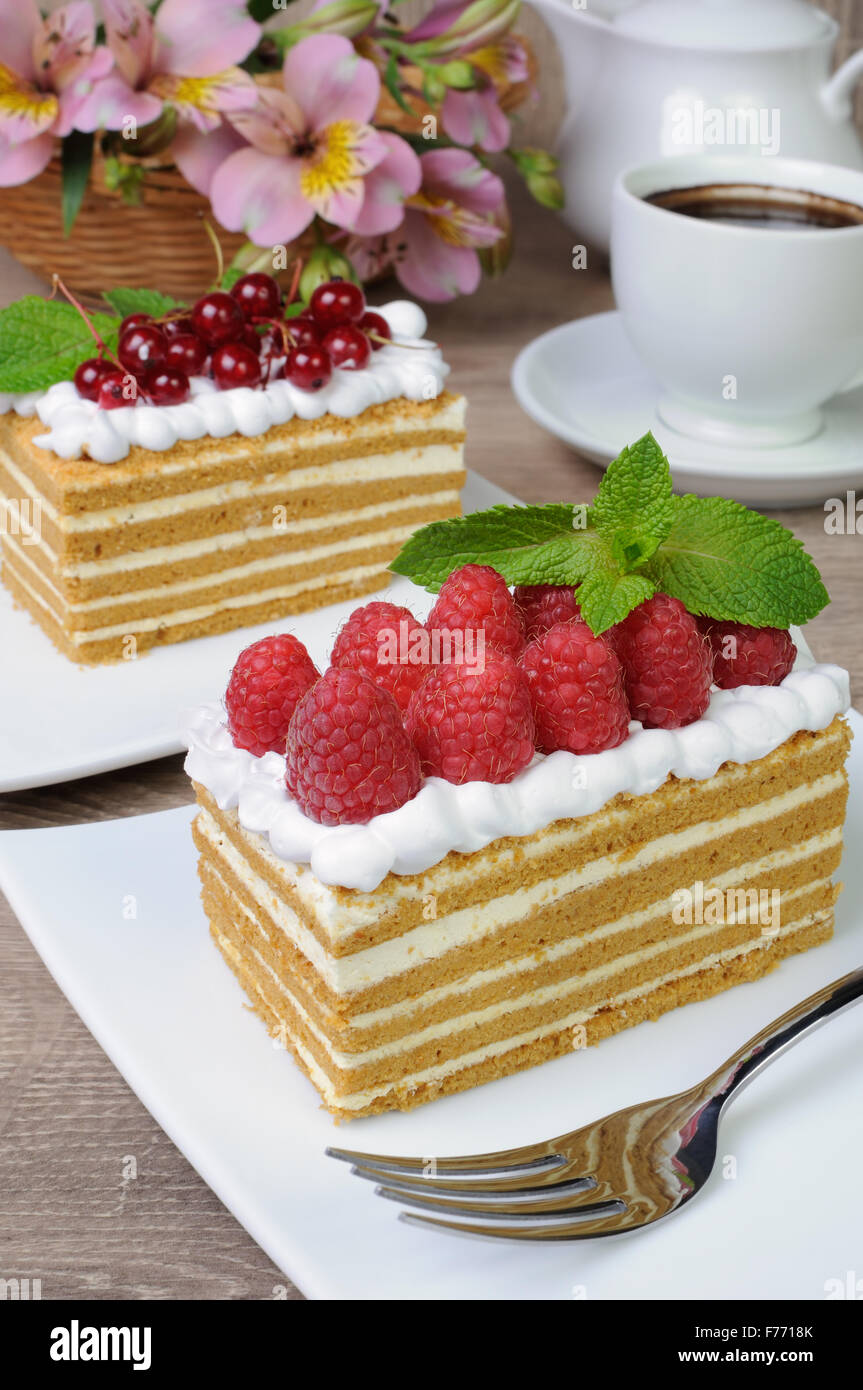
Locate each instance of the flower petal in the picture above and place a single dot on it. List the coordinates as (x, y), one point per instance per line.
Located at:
(431, 269)
(105, 105)
(20, 163)
(397, 177)
(459, 176)
(198, 156)
(201, 100)
(63, 50)
(272, 123)
(259, 194)
(19, 24)
(475, 118)
(330, 81)
(25, 112)
(129, 30)
(196, 38)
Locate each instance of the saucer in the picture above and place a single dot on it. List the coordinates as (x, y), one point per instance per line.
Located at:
(584, 383)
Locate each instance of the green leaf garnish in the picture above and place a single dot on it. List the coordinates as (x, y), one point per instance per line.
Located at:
(724, 560)
(718, 557)
(140, 302)
(42, 341)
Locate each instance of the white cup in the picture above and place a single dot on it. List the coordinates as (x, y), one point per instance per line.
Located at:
(749, 330)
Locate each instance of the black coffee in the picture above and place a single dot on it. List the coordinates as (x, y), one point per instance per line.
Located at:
(760, 205)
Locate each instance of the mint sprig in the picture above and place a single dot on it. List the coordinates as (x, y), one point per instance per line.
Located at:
(42, 341)
(718, 557)
(124, 301)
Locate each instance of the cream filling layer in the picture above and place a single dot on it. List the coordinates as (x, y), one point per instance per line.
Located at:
(419, 461)
(234, 540)
(359, 1100)
(301, 558)
(481, 979)
(193, 615)
(431, 940)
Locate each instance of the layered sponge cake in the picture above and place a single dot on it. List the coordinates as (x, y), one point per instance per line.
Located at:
(431, 871)
(155, 523)
(447, 974)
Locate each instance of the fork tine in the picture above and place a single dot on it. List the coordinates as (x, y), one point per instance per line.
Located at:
(563, 1200)
(464, 1194)
(527, 1164)
(547, 1226)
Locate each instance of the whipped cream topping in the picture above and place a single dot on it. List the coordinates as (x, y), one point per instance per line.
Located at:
(411, 367)
(739, 726)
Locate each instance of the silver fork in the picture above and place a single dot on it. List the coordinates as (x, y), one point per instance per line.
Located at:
(617, 1175)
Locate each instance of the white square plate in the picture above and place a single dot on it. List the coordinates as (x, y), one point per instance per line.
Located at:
(779, 1219)
(59, 720)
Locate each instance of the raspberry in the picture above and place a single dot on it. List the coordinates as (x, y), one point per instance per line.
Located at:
(543, 605)
(476, 598)
(369, 634)
(472, 724)
(267, 681)
(576, 690)
(667, 663)
(744, 655)
(348, 756)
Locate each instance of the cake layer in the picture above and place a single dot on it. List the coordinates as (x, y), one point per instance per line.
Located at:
(786, 886)
(489, 1062)
(344, 484)
(113, 645)
(343, 932)
(288, 538)
(78, 486)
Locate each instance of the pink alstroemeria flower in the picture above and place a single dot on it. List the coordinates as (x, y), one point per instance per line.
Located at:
(434, 252)
(311, 150)
(54, 79)
(185, 55)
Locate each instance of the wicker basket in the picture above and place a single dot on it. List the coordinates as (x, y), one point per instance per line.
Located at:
(161, 243)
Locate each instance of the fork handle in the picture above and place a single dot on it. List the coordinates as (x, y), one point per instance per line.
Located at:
(729, 1079)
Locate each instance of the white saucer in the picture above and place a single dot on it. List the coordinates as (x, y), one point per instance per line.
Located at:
(584, 383)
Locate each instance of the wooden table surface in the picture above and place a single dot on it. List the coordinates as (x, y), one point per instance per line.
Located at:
(68, 1121)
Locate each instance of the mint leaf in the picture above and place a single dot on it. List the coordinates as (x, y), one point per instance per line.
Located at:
(633, 507)
(724, 560)
(527, 545)
(42, 341)
(607, 594)
(140, 302)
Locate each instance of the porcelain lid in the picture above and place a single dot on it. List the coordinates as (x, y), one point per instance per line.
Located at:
(732, 24)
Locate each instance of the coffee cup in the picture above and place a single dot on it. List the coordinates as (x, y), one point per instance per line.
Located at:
(740, 284)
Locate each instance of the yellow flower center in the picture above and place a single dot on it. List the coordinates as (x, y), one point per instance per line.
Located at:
(453, 224)
(200, 93)
(19, 98)
(331, 164)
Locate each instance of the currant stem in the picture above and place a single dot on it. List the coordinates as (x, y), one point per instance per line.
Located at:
(217, 247)
(57, 284)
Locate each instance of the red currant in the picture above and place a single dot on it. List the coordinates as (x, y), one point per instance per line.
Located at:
(304, 332)
(217, 317)
(118, 389)
(338, 301)
(133, 320)
(187, 353)
(258, 296)
(349, 348)
(377, 327)
(166, 385)
(308, 368)
(142, 346)
(90, 375)
(235, 364)
(172, 328)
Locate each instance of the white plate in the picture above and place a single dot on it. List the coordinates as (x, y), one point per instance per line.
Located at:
(59, 720)
(160, 1001)
(584, 383)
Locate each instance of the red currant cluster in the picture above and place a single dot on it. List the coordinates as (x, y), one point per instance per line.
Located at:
(241, 338)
